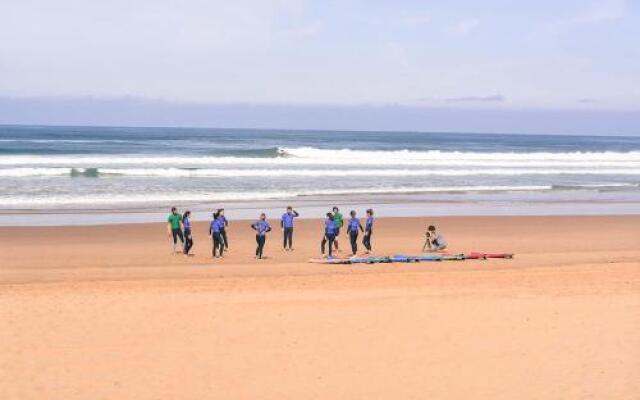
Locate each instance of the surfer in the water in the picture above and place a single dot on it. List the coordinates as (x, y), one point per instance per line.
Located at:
(329, 234)
(352, 231)
(286, 223)
(368, 231)
(261, 227)
(337, 217)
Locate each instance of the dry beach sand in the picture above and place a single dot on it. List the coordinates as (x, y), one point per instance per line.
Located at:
(106, 312)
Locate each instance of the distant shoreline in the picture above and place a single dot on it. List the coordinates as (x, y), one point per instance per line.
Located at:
(385, 206)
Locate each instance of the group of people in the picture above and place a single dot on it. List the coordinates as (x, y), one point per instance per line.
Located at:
(179, 227)
(334, 223)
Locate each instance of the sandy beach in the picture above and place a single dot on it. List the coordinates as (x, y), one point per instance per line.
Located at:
(108, 312)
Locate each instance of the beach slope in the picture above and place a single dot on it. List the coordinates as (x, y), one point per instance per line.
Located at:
(108, 312)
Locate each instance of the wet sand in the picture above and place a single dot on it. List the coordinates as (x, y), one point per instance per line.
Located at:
(108, 312)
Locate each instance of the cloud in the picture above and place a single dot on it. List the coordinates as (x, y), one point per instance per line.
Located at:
(587, 100)
(494, 98)
(597, 12)
(464, 27)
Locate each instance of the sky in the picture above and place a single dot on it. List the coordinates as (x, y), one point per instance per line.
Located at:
(516, 60)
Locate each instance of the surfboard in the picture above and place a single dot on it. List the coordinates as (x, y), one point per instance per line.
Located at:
(476, 254)
(430, 257)
(403, 259)
(425, 257)
(330, 260)
(360, 260)
(370, 260)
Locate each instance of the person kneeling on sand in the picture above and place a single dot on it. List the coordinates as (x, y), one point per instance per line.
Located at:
(434, 240)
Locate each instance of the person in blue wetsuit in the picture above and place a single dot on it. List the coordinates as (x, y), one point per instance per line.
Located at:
(223, 232)
(188, 239)
(261, 227)
(330, 230)
(368, 231)
(214, 232)
(353, 229)
(286, 223)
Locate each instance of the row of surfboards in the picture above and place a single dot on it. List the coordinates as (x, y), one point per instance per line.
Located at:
(410, 259)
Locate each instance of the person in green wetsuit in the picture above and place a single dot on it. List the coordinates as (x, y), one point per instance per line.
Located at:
(174, 227)
(337, 219)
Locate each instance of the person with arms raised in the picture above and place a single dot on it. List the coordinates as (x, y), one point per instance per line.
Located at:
(286, 223)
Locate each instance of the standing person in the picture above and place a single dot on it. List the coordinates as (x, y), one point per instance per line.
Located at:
(223, 232)
(216, 236)
(286, 223)
(174, 227)
(337, 218)
(329, 233)
(188, 239)
(368, 231)
(261, 227)
(352, 231)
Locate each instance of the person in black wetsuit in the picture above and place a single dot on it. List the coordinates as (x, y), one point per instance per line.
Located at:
(368, 231)
(188, 239)
(352, 231)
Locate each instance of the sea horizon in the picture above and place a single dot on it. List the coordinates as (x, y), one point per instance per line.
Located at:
(311, 130)
(47, 170)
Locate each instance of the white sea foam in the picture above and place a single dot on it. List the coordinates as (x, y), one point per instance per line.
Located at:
(309, 156)
(151, 198)
(292, 172)
(315, 153)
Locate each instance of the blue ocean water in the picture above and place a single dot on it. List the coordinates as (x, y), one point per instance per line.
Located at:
(52, 140)
(102, 167)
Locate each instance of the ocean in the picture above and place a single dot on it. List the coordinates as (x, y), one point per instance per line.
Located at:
(51, 169)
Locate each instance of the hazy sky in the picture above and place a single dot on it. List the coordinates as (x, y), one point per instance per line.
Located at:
(491, 54)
